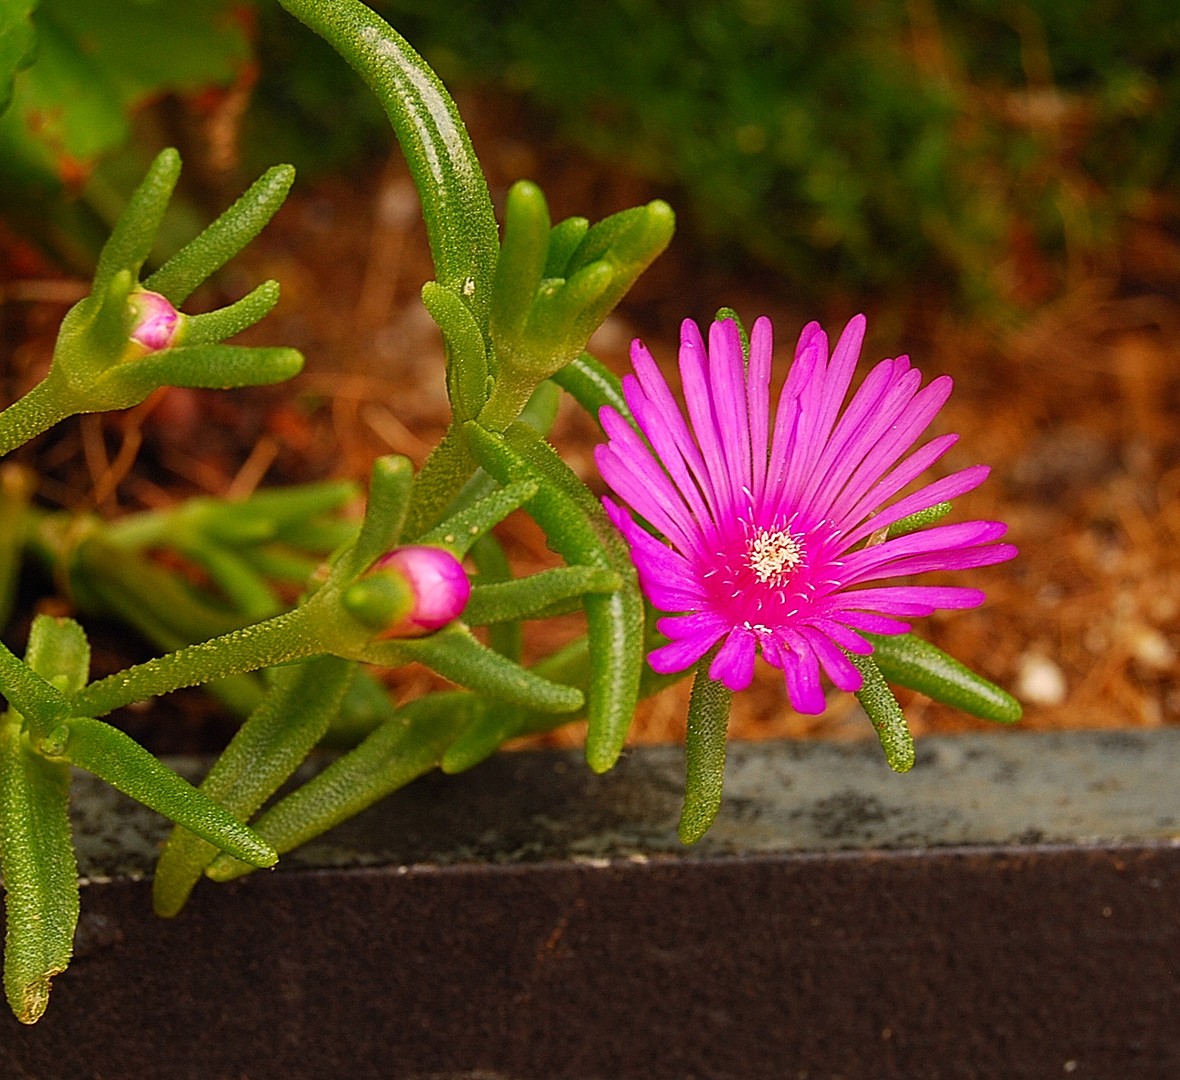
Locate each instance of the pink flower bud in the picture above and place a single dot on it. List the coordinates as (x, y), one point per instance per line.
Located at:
(156, 320)
(438, 583)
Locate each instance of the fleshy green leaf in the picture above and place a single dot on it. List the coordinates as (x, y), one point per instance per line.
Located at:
(456, 206)
(921, 520)
(385, 514)
(882, 708)
(221, 241)
(492, 723)
(462, 529)
(266, 750)
(116, 758)
(40, 873)
(492, 565)
(592, 385)
(208, 367)
(399, 751)
(531, 596)
(42, 704)
(215, 326)
(133, 235)
(522, 260)
(708, 720)
(910, 661)
(456, 655)
(564, 239)
(467, 356)
(59, 652)
(577, 528)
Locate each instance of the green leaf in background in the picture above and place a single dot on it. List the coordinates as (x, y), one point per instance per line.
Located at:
(98, 59)
(17, 42)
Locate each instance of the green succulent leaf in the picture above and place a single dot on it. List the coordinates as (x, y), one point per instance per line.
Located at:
(708, 721)
(131, 240)
(116, 758)
(230, 233)
(492, 565)
(592, 385)
(921, 520)
(467, 355)
(209, 367)
(465, 527)
(909, 661)
(522, 260)
(492, 723)
(535, 595)
(40, 872)
(577, 528)
(389, 499)
(215, 326)
(42, 705)
(401, 750)
(885, 713)
(267, 749)
(460, 223)
(59, 652)
(564, 239)
(456, 655)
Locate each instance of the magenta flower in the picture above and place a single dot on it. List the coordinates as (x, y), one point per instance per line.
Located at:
(774, 534)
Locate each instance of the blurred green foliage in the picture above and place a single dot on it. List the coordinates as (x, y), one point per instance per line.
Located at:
(852, 144)
(88, 66)
(845, 144)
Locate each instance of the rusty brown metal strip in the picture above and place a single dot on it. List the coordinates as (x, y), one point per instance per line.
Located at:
(1012, 913)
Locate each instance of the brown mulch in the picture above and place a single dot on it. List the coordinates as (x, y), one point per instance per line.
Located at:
(1074, 405)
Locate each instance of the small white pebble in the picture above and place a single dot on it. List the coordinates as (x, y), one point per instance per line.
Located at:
(1039, 681)
(1150, 648)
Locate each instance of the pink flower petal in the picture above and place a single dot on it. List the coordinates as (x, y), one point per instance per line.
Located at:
(734, 663)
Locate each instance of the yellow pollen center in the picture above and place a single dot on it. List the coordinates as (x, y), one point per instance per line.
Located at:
(774, 554)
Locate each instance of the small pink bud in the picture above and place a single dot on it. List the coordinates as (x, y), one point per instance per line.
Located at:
(156, 320)
(439, 585)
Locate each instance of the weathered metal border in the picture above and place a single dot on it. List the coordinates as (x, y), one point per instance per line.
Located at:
(1008, 909)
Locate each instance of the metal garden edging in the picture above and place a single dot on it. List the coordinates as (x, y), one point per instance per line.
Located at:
(1008, 909)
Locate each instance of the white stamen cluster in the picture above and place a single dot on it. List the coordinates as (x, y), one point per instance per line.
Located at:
(773, 555)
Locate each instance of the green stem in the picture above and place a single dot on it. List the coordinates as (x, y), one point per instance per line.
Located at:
(28, 416)
(441, 478)
(294, 635)
(40, 702)
(509, 396)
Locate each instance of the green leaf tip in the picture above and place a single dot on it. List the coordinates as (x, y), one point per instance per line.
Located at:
(909, 661)
(708, 722)
(885, 713)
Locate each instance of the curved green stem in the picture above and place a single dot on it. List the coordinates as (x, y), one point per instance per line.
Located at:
(460, 222)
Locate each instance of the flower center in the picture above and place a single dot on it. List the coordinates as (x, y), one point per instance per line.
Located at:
(773, 555)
